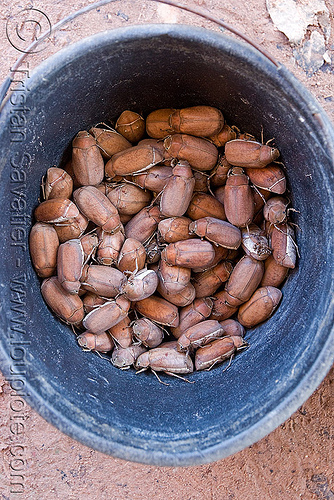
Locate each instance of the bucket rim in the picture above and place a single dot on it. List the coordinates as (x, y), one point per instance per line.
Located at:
(310, 380)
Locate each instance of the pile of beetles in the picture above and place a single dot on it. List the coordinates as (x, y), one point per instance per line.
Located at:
(162, 239)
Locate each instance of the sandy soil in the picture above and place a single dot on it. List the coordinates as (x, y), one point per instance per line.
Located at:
(294, 461)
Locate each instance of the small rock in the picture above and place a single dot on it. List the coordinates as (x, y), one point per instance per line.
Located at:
(310, 56)
(293, 17)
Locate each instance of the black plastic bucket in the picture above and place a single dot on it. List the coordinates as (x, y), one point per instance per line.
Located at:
(118, 412)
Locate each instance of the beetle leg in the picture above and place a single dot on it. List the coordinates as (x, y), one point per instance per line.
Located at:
(154, 200)
(104, 151)
(296, 225)
(150, 238)
(259, 193)
(275, 183)
(155, 373)
(213, 364)
(43, 187)
(229, 363)
(270, 140)
(292, 210)
(73, 329)
(179, 376)
(243, 346)
(100, 355)
(141, 371)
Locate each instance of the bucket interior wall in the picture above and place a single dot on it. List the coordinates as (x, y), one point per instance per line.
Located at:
(119, 412)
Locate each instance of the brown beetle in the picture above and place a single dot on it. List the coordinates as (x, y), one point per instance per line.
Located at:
(270, 178)
(196, 312)
(260, 197)
(201, 121)
(109, 141)
(238, 198)
(109, 246)
(73, 229)
(134, 159)
(201, 181)
(220, 194)
(124, 358)
(283, 245)
(255, 242)
(100, 342)
(154, 179)
(251, 154)
(97, 208)
(159, 310)
(208, 282)
(125, 218)
(87, 161)
(69, 169)
(157, 123)
(178, 191)
(149, 334)
(232, 328)
(57, 184)
(56, 211)
(70, 261)
(217, 231)
(143, 224)
(189, 253)
(244, 280)
(162, 359)
(92, 301)
(217, 352)
(43, 244)
(131, 125)
(221, 308)
(102, 280)
(180, 299)
(260, 306)
(66, 306)
(122, 333)
(153, 250)
(200, 153)
(174, 229)
(274, 273)
(173, 278)
(223, 136)
(132, 256)
(275, 210)
(205, 205)
(89, 243)
(199, 335)
(219, 174)
(107, 315)
(221, 253)
(157, 145)
(129, 199)
(140, 285)
(170, 344)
